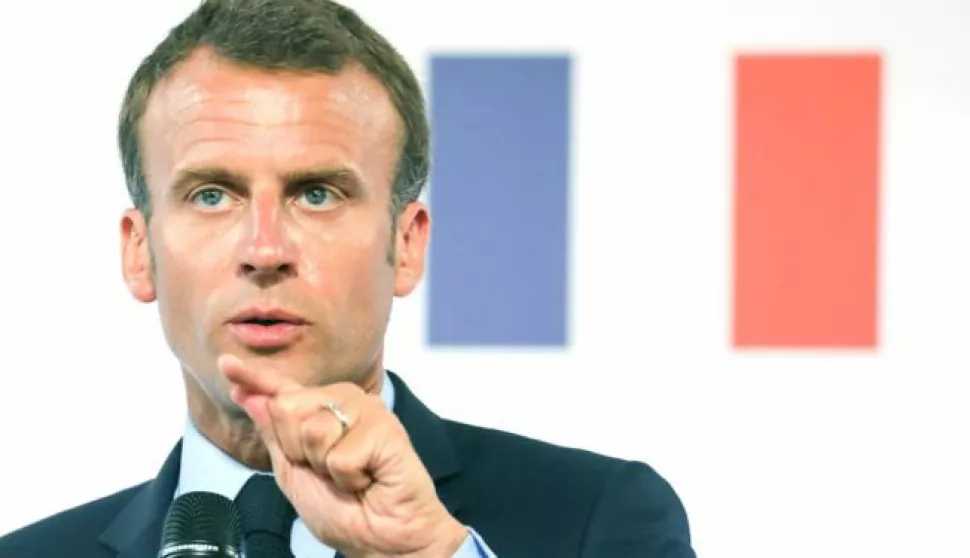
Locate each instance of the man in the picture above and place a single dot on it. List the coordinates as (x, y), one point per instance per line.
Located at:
(275, 151)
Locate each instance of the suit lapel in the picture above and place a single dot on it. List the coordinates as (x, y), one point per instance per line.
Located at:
(431, 442)
(137, 531)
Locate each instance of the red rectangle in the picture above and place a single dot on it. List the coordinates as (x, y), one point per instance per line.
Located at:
(806, 201)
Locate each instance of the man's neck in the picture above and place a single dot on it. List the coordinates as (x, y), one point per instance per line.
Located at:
(230, 429)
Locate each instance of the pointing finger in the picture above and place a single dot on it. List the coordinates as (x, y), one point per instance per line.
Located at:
(254, 379)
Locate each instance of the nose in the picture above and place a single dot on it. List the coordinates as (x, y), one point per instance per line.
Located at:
(268, 254)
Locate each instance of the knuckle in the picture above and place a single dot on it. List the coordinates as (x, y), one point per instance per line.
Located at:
(285, 404)
(372, 405)
(353, 388)
(314, 431)
(343, 461)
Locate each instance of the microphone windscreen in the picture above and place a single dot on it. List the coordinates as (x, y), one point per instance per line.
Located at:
(201, 524)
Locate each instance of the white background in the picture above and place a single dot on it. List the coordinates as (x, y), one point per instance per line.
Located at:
(782, 454)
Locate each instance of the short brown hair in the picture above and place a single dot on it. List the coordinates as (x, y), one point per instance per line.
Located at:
(292, 35)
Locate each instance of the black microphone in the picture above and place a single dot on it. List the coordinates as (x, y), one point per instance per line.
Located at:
(202, 525)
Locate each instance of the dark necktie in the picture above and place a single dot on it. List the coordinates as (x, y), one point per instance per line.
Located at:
(267, 518)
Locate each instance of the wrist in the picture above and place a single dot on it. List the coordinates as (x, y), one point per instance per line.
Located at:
(446, 541)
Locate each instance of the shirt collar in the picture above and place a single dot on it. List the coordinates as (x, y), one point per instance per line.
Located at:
(206, 468)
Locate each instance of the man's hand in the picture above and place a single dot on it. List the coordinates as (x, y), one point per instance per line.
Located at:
(364, 492)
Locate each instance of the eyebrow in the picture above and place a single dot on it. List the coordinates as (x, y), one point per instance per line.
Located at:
(341, 177)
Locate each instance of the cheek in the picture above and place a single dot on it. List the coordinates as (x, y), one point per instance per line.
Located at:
(351, 282)
(200, 244)
(345, 259)
(190, 267)
(341, 270)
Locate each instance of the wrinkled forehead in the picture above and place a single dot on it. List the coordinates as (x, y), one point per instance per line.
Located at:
(209, 108)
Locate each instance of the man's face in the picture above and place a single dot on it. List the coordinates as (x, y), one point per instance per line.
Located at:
(271, 227)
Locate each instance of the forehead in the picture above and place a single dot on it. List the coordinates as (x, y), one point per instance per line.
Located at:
(211, 111)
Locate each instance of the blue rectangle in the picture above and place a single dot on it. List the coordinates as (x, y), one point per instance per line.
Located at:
(499, 200)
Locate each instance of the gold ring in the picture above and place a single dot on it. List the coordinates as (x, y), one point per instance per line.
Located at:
(339, 415)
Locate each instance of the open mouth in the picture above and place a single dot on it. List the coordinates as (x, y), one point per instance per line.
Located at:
(268, 329)
(268, 318)
(267, 322)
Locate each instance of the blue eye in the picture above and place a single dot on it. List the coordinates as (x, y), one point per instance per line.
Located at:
(210, 197)
(316, 196)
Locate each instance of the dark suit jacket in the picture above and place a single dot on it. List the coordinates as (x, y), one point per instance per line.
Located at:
(527, 499)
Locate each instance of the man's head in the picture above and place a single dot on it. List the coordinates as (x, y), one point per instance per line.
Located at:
(274, 151)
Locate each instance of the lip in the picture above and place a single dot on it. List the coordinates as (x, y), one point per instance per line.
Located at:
(275, 336)
(268, 314)
(287, 329)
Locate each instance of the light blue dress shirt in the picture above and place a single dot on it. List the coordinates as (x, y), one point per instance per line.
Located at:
(205, 467)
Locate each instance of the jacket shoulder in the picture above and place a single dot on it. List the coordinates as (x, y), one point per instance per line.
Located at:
(71, 532)
(489, 448)
(571, 498)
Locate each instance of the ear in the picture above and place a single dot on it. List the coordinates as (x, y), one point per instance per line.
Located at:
(136, 256)
(411, 237)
